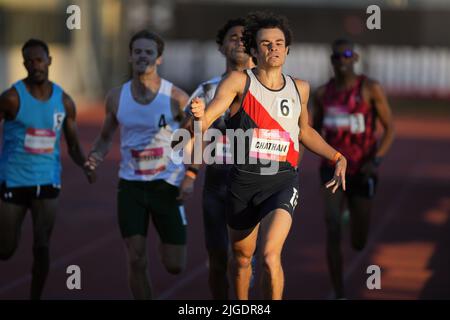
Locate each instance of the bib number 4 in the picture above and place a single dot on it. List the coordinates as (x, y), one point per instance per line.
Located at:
(162, 121)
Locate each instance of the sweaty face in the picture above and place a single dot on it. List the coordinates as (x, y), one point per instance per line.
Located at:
(343, 59)
(36, 61)
(233, 47)
(271, 47)
(144, 55)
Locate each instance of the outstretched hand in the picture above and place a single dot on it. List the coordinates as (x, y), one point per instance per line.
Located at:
(339, 175)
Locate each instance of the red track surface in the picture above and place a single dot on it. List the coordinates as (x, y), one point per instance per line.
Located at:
(409, 240)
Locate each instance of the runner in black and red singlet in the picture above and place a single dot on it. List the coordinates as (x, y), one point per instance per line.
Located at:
(268, 117)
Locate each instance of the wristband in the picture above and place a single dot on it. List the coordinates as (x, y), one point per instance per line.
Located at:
(190, 174)
(193, 170)
(336, 157)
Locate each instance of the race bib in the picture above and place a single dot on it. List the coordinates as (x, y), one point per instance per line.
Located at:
(352, 122)
(357, 124)
(270, 144)
(39, 141)
(149, 162)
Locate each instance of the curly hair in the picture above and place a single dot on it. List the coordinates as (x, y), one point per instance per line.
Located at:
(226, 27)
(262, 20)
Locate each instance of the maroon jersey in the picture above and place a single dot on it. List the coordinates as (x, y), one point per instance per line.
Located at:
(349, 124)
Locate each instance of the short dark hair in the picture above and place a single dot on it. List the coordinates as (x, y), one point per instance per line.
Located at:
(262, 20)
(342, 41)
(226, 27)
(144, 34)
(35, 43)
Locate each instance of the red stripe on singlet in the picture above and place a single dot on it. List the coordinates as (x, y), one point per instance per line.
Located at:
(256, 111)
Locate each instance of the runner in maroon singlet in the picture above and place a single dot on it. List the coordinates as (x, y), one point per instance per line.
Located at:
(346, 111)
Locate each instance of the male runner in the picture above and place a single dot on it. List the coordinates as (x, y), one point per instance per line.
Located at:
(35, 110)
(263, 189)
(346, 111)
(147, 109)
(229, 40)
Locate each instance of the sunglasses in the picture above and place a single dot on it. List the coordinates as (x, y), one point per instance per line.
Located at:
(346, 54)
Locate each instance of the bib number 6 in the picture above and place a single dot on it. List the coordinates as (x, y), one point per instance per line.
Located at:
(284, 108)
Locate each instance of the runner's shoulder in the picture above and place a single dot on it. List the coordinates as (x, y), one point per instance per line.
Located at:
(320, 91)
(372, 87)
(303, 87)
(10, 97)
(237, 76)
(113, 98)
(9, 103)
(68, 103)
(179, 94)
(236, 80)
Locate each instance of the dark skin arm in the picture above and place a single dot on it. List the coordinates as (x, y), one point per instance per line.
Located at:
(374, 94)
(377, 97)
(71, 134)
(314, 142)
(318, 109)
(9, 104)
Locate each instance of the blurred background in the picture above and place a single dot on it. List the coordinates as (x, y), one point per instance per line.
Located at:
(409, 55)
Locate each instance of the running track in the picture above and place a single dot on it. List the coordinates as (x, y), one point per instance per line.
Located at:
(409, 240)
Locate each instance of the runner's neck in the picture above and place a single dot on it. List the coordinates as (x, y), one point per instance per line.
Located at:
(41, 91)
(231, 66)
(272, 78)
(345, 82)
(146, 87)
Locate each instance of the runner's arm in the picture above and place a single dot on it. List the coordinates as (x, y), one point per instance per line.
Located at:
(313, 141)
(318, 110)
(9, 104)
(385, 116)
(178, 100)
(310, 138)
(103, 143)
(226, 92)
(74, 148)
(187, 124)
(71, 132)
